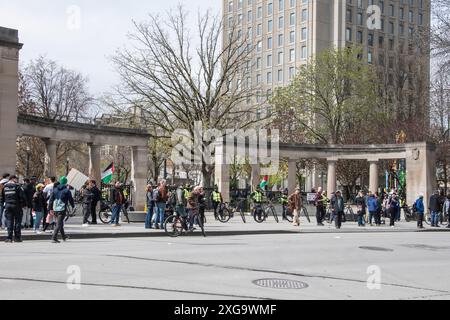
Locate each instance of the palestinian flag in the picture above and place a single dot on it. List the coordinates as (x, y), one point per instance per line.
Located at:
(108, 173)
(265, 182)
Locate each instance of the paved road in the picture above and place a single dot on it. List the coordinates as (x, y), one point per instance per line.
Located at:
(334, 266)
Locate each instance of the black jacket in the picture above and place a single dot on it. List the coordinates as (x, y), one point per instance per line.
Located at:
(88, 196)
(29, 189)
(435, 203)
(118, 197)
(12, 194)
(39, 202)
(97, 194)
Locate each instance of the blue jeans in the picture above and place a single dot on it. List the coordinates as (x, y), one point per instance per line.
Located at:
(361, 220)
(2, 219)
(160, 209)
(149, 216)
(434, 218)
(37, 220)
(116, 209)
(398, 214)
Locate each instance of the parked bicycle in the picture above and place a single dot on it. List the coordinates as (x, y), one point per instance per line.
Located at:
(178, 224)
(105, 213)
(267, 209)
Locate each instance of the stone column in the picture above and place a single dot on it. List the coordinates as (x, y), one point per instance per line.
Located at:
(95, 163)
(256, 176)
(9, 60)
(50, 158)
(222, 172)
(292, 175)
(373, 176)
(420, 172)
(331, 178)
(139, 170)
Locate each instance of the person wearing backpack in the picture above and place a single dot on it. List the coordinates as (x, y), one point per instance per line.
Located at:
(420, 209)
(60, 199)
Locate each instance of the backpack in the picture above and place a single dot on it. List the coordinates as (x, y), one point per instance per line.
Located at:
(59, 205)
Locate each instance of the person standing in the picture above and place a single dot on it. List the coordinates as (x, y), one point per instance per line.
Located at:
(447, 209)
(257, 198)
(87, 197)
(420, 209)
(201, 204)
(161, 197)
(372, 206)
(338, 206)
(29, 189)
(97, 196)
(39, 207)
(217, 200)
(394, 205)
(284, 202)
(193, 205)
(295, 205)
(59, 201)
(4, 180)
(360, 202)
(118, 200)
(379, 209)
(150, 207)
(13, 196)
(320, 203)
(434, 207)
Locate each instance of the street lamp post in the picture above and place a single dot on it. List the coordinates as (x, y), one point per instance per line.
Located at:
(67, 166)
(27, 170)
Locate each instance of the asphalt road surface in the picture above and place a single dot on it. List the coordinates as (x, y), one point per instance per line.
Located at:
(332, 265)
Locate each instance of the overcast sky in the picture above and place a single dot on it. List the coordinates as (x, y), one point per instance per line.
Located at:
(49, 27)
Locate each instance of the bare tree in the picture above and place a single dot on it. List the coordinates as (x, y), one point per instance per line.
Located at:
(441, 31)
(177, 79)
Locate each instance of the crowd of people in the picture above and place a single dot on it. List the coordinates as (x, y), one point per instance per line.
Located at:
(43, 206)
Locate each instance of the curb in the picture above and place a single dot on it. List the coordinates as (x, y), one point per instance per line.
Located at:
(83, 236)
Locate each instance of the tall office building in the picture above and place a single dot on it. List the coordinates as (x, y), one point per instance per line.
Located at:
(285, 33)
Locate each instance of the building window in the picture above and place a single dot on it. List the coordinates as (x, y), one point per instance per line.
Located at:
(281, 22)
(259, 13)
(269, 60)
(349, 15)
(291, 55)
(269, 43)
(280, 5)
(230, 6)
(269, 26)
(269, 77)
(280, 58)
(280, 76)
(291, 73)
(304, 52)
(348, 34)
(359, 37)
(270, 9)
(292, 19)
(280, 40)
(304, 15)
(304, 34)
(292, 37)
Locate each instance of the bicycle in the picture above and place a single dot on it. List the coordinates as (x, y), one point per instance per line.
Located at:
(224, 213)
(177, 224)
(105, 213)
(266, 210)
(349, 214)
(443, 218)
(410, 214)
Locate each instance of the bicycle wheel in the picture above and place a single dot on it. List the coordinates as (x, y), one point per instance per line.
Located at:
(105, 216)
(305, 212)
(243, 215)
(202, 226)
(125, 213)
(259, 218)
(224, 215)
(173, 226)
(274, 213)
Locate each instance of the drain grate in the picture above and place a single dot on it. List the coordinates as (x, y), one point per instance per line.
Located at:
(377, 249)
(280, 284)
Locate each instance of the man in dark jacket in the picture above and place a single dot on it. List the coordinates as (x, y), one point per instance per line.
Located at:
(29, 189)
(320, 206)
(435, 208)
(3, 180)
(95, 200)
(150, 207)
(338, 207)
(13, 196)
(59, 201)
(88, 198)
(118, 200)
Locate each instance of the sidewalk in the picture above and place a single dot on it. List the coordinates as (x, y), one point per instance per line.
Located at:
(214, 228)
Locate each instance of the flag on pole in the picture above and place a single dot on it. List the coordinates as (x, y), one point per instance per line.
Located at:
(264, 182)
(108, 173)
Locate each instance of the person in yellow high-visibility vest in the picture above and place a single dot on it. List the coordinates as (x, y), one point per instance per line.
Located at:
(217, 200)
(257, 198)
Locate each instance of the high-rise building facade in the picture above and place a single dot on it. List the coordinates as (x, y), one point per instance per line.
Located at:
(284, 34)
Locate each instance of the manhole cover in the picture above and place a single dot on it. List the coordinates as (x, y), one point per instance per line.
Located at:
(376, 249)
(280, 284)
